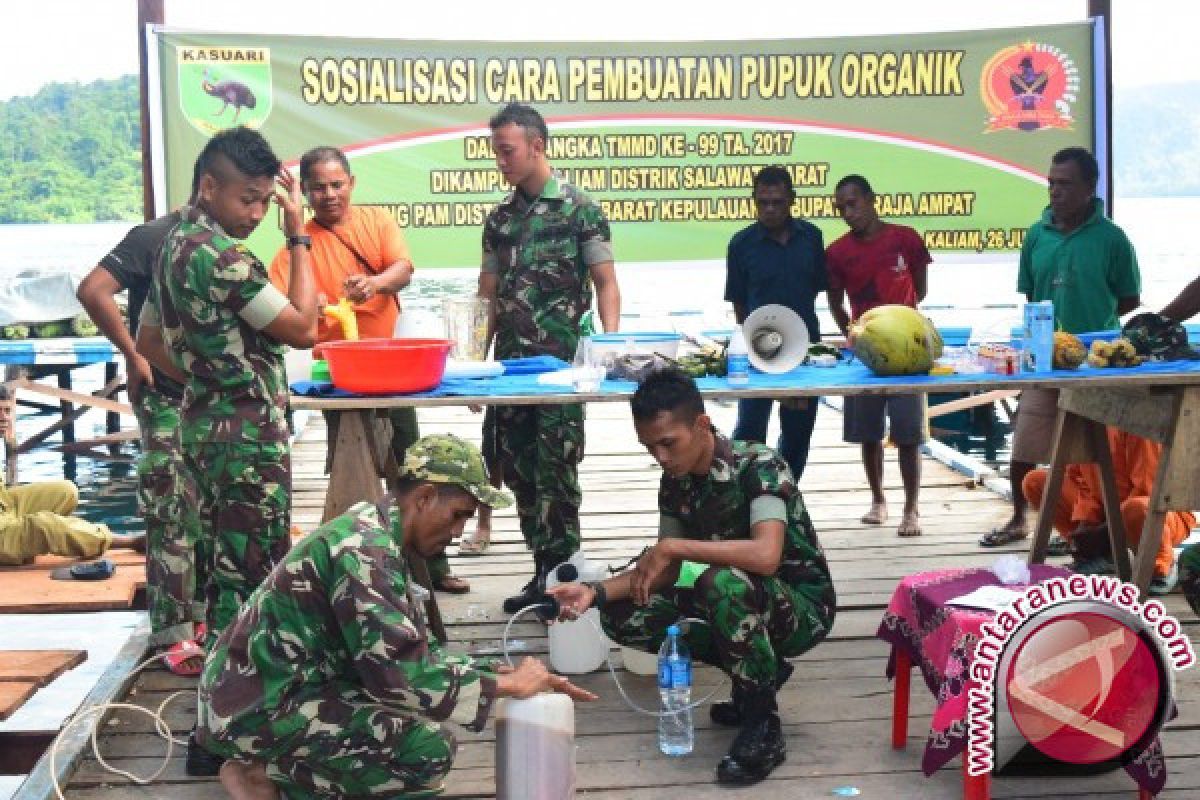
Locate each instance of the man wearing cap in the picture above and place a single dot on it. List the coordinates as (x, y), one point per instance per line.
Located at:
(326, 683)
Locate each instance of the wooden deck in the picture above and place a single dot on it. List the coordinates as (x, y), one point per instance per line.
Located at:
(836, 708)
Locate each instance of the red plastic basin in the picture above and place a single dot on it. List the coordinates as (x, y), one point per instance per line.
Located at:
(387, 366)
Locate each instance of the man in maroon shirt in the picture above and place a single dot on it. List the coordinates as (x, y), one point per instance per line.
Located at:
(877, 263)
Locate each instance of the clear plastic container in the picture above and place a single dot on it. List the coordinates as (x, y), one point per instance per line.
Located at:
(535, 748)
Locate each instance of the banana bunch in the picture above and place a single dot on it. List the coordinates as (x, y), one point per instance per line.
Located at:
(709, 360)
(343, 313)
(1117, 353)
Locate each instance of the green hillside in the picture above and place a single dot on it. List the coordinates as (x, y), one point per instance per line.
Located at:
(71, 153)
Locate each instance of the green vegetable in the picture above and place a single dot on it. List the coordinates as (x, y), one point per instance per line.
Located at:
(17, 331)
(49, 330)
(82, 325)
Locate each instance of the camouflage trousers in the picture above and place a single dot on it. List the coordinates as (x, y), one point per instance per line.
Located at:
(244, 516)
(1189, 576)
(752, 623)
(175, 563)
(337, 742)
(537, 450)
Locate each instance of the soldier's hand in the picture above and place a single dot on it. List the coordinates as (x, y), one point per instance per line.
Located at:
(649, 568)
(139, 375)
(573, 599)
(291, 201)
(531, 677)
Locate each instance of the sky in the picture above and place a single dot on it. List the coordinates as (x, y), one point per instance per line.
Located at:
(82, 40)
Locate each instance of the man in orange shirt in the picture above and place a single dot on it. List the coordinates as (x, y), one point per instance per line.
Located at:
(1079, 515)
(357, 252)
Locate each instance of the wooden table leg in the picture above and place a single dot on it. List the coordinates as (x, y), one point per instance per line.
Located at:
(1118, 541)
(354, 476)
(1065, 427)
(900, 696)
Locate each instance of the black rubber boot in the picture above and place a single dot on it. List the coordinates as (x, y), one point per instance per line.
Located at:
(532, 591)
(200, 762)
(730, 714)
(759, 746)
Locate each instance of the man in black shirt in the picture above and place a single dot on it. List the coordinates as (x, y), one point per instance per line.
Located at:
(777, 260)
(174, 574)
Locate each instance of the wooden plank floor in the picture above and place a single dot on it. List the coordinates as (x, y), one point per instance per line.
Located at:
(836, 708)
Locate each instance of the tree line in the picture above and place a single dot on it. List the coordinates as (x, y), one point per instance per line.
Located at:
(72, 153)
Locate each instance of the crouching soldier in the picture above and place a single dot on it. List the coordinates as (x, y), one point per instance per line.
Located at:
(767, 595)
(326, 685)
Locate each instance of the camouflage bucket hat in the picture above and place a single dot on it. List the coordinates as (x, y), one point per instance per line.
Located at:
(444, 458)
(1158, 338)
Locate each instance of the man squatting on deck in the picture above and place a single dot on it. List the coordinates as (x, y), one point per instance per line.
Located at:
(767, 595)
(326, 683)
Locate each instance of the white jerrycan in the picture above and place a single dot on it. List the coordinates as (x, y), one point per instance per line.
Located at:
(577, 646)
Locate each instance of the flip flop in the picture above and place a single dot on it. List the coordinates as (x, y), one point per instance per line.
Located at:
(998, 537)
(1058, 546)
(474, 544)
(452, 584)
(185, 659)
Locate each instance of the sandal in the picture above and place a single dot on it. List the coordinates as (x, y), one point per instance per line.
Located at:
(475, 543)
(452, 584)
(998, 537)
(1058, 546)
(185, 659)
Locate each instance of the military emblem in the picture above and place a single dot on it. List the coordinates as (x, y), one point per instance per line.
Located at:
(1029, 87)
(221, 86)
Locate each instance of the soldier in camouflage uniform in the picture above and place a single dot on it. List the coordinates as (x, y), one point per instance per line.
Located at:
(214, 316)
(767, 595)
(544, 246)
(175, 580)
(326, 684)
(224, 326)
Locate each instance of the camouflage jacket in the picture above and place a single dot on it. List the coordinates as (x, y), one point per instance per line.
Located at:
(338, 608)
(212, 298)
(541, 251)
(716, 507)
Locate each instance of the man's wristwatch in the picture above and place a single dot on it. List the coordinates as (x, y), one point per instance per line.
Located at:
(601, 593)
(292, 241)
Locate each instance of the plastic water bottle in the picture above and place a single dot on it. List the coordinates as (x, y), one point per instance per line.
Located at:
(676, 735)
(737, 361)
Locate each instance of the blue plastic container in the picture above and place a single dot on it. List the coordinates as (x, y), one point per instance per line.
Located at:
(954, 337)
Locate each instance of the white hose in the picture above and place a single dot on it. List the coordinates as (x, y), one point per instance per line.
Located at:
(613, 670)
(95, 713)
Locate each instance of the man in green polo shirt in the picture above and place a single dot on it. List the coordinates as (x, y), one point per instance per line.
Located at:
(1079, 259)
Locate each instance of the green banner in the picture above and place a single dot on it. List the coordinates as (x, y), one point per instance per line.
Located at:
(954, 130)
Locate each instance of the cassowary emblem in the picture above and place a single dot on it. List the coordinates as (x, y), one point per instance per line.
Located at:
(230, 93)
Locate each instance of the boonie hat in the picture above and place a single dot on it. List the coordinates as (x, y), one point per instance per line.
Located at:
(445, 458)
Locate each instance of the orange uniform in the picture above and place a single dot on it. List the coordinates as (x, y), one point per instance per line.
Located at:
(376, 236)
(1135, 462)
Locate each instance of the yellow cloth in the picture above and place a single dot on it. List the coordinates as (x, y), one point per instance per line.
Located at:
(35, 520)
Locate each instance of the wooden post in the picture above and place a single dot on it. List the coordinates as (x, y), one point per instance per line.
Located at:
(1103, 10)
(150, 12)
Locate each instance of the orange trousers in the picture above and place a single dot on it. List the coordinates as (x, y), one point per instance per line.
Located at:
(1176, 526)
